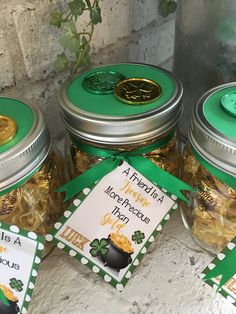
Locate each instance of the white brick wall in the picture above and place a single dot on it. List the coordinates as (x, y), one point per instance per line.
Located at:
(6, 73)
(130, 31)
(37, 39)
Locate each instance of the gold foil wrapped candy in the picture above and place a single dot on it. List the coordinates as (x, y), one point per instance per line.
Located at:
(166, 157)
(35, 205)
(212, 216)
(30, 170)
(209, 165)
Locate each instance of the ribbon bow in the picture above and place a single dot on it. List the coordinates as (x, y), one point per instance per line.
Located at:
(112, 160)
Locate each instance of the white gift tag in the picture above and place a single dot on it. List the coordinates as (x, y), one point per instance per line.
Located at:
(20, 253)
(112, 224)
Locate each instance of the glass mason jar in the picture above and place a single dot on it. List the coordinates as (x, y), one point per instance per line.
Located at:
(122, 107)
(30, 170)
(209, 165)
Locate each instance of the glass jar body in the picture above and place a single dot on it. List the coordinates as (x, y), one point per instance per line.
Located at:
(166, 157)
(211, 218)
(34, 205)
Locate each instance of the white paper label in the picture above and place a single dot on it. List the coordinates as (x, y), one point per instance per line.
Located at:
(17, 261)
(123, 203)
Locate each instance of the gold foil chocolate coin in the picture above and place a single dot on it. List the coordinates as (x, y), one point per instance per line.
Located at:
(138, 91)
(7, 129)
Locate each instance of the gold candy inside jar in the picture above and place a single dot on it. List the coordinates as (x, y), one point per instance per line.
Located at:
(166, 157)
(30, 170)
(209, 165)
(212, 217)
(34, 205)
(125, 119)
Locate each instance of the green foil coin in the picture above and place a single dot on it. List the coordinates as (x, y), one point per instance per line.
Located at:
(228, 102)
(102, 82)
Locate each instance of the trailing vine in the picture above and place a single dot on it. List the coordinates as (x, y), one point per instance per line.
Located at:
(75, 41)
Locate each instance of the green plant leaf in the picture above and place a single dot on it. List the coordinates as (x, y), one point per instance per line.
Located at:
(69, 28)
(77, 42)
(61, 62)
(167, 7)
(69, 38)
(172, 7)
(77, 7)
(95, 14)
(56, 19)
(72, 44)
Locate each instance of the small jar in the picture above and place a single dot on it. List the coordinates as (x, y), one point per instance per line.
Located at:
(209, 165)
(122, 107)
(30, 170)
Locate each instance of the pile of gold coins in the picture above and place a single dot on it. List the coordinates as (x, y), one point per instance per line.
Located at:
(9, 295)
(122, 242)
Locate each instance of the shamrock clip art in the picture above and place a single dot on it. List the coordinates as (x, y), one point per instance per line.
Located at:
(138, 237)
(99, 247)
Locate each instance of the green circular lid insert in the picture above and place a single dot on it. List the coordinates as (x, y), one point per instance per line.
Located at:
(109, 105)
(220, 111)
(21, 114)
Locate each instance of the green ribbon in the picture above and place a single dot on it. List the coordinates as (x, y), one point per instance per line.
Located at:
(103, 153)
(225, 268)
(113, 159)
(219, 174)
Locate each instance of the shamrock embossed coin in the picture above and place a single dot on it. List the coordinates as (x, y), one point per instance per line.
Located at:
(102, 82)
(7, 129)
(138, 91)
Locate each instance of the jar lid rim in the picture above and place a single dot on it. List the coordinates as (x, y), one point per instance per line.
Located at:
(30, 146)
(115, 124)
(208, 136)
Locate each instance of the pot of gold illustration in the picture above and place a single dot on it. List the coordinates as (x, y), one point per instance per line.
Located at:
(8, 301)
(119, 252)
